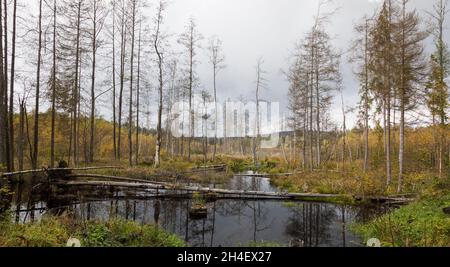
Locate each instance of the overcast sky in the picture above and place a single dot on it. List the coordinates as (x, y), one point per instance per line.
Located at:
(251, 29)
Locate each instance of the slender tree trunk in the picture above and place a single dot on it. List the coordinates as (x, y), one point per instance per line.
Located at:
(191, 111)
(21, 136)
(304, 136)
(9, 137)
(38, 83)
(11, 92)
(52, 138)
(78, 114)
(130, 119)
(442, 64)
(216, 113)
(76, 89)
(160, 111)
(114, 81)
(402, 99)
(366, 99)
(344, 133)
(3, 102)
(402, 146)
(318, 141)
(122, 80)
(94, 55)
(138, 95)
(389, 101)
(160, 86)
(388, 143)
(311, 129)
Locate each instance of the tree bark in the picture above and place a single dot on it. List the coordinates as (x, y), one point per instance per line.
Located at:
(130, 118)
(11, 92)
(138, 95)
(52, 138)
(94, 55)
(38, 83)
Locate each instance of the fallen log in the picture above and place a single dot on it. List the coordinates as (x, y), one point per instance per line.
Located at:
(112, 178)
(385, 199)
(171, 187)
(44, 170)
(9, 174)
(86, 168)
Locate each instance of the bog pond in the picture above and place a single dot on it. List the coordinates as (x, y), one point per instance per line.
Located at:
(228, 222)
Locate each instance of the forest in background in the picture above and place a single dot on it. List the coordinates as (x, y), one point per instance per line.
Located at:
(82, 51)
(63, 61)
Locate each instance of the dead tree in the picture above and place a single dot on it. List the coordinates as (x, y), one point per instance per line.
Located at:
(217, 61)
(190, 40)
(98, 17)
(130, 118)
(37, 99)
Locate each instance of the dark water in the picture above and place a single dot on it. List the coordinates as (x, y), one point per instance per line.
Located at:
(229, 222)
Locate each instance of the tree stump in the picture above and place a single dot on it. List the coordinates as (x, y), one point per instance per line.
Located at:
(59, 173)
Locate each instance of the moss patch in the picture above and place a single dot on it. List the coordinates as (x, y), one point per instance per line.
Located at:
(55, 232)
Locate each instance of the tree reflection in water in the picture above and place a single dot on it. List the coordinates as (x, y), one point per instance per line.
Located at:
(229, 222)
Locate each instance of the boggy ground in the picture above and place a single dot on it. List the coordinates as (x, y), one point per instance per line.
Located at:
(421, 223)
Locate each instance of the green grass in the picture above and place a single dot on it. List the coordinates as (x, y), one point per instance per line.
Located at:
(420, 224)
(55, 232)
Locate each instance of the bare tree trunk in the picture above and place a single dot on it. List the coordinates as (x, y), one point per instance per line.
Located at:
(191, 111)
(21, 135)
(138, 96)
(215, 113)
(256, 139)
(9, 137)
(311, 129)
(94, 55)
(156, 44)
(366, 98)
(402, 99)
(38, 83)
(123, 34)
(344, 131)
(52, 138)
(217, 60)
(130, 118)
(78, 114)
(11, 92)
(389, 83)
(318, 138)
(76, 89)
(114, 80)
(388, 143)
(305, 130)
(3, 98)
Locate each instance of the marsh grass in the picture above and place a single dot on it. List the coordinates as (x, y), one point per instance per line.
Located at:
(55, 232)
(420, 224)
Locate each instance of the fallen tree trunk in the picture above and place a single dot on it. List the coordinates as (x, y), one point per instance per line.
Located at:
(113, 178)
(385, 199)
(171, 187)
(43, 170)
